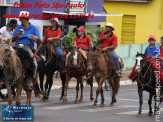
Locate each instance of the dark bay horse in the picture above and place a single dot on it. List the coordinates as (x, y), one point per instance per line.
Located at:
(76, 67)
(145, 81)
(98, 65)
(11, 71)
(47, 66)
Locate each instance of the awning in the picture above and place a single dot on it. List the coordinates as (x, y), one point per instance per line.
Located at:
(95, 14)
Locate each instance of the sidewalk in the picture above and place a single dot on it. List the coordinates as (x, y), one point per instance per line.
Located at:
(57, 84)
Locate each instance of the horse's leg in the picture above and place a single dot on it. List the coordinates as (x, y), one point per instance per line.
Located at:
(140, 92)
(81, 86)
(9, 92)
(77, 91)
(63, 79)
(66, 85)
(19, 91)
(41, 76)
(29, 96)
(117, 85)
(97, 92)
(50, 81)
(91, 90)
(13, 92)
(149, 103)
(111, 81)
(102, 98)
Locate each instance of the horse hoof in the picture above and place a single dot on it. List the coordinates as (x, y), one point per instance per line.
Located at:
(92, 98)
(76, 101)
(64, 100)
(42, 100)
(115, 100)
(102, 105)
(94, 106)
(150, 114)
(138, 115)
(61, 98)
(81, 100)
(111, 104)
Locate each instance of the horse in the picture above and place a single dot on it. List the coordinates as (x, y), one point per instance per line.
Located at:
(145, 81)
(76, 67)
(47, 66)
(11, 71)
(102, 70)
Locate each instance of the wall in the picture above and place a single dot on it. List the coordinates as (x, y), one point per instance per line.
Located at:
(149, 18)
(128, 53)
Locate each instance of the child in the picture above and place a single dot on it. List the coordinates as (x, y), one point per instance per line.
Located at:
(161, 48)
(152, 51)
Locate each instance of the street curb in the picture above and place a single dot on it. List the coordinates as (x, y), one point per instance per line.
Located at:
(71, 86)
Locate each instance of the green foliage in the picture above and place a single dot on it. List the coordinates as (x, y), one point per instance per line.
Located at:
(99, 31)
(94, 40)
(68, 39)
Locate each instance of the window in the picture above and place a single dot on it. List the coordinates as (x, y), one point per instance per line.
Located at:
(128, 29)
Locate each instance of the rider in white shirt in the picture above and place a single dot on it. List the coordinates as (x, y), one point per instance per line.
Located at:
(6, 31)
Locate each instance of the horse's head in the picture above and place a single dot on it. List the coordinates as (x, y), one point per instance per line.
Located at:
(5, 53)
(140, 60)
(91, 55)
(75, 56)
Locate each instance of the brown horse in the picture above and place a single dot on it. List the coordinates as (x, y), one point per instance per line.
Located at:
(76, 67)
(12, 72)
(99, 66)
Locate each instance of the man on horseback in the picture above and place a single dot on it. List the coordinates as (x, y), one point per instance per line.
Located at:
(25, 37)
(151, 52)
(108, 41)
(6, 31)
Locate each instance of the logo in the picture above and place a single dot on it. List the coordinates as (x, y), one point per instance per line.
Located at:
(17, 112)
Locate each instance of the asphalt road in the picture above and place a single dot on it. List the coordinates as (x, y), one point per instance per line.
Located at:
(125, 110)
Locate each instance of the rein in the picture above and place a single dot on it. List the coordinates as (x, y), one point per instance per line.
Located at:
(14, 82)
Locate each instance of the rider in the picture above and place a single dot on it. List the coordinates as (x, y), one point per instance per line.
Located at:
(6, 31)
(82, 39)
(161, 48)
(109, 41)
(52, 35)
(26, 36)
(152, 51)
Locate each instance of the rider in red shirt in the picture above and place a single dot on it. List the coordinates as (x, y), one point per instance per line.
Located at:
(109, 41)
(82, 40)
(53, 33)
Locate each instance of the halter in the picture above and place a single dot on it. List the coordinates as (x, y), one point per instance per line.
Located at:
(14, 82)
(94, 60)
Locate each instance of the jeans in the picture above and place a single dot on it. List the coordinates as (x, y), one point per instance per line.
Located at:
(116, 60)
(61, 57)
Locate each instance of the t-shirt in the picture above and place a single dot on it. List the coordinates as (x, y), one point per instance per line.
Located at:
(111, 40)
(84, 42)
(5, 33)
(155, 50)
(53, 33)
(25, 38)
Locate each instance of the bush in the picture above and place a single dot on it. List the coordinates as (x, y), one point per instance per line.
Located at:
(99, 31)
(68, 39)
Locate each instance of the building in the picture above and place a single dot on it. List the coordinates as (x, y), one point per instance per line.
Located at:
(140, 19)
(60, 8)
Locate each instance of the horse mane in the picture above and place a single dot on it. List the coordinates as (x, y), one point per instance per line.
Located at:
(24, 57)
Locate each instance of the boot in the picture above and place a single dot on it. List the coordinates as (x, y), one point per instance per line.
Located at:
(118, 74)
